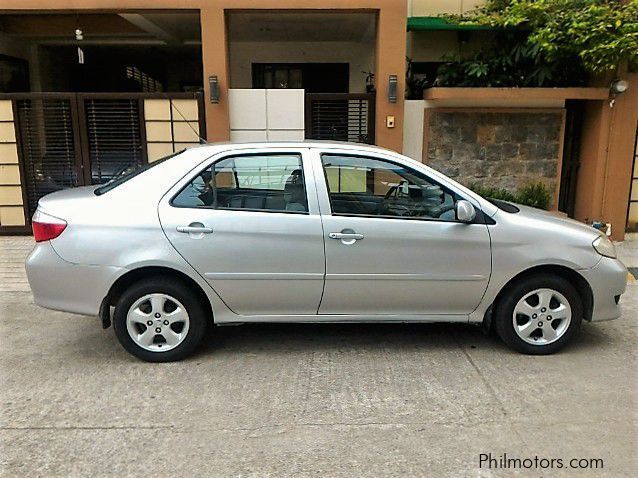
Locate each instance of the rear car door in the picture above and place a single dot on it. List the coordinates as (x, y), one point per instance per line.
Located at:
(393, 244)
(249, 223)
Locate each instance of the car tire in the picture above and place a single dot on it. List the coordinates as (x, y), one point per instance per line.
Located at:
(167, 307)
(524, 314)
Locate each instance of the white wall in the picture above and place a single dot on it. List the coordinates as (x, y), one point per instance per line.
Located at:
(360, 57)
(266, 115)
(413, 112)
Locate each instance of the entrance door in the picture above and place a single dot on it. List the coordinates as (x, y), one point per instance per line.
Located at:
(393, 245)
(250, 225)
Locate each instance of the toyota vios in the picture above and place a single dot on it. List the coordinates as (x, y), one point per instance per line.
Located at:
(312, 232)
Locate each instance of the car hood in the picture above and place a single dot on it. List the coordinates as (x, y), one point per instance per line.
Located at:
(556, 222)
(555, 217)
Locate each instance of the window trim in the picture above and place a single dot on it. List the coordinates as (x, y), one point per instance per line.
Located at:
(299, 154)
(479, 219)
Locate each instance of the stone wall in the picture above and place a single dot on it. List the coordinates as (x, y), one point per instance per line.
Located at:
(495, 148)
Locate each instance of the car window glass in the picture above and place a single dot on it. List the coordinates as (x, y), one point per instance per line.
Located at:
(372, 187)
(254, 182)
(130, 171)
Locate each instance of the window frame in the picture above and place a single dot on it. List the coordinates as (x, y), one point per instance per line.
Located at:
(479, 219)
(232, 155)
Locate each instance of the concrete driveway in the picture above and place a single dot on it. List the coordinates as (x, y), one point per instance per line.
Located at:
(328, 401)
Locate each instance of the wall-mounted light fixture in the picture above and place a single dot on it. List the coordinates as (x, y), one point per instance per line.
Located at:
(392, 88)
(213, 83)
(79, 36)
(618, 86)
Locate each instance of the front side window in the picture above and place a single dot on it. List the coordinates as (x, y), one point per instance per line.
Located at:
(365, 186)
(261, 182)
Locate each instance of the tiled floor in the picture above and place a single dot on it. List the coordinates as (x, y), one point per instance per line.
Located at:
(13, 252)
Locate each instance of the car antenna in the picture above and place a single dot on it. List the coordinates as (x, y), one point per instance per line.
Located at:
(201, 140)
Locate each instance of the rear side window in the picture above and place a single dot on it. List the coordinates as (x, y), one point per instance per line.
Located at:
(129, 172)
(261, 182)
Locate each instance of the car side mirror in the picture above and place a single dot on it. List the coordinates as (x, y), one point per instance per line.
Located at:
(465, 212)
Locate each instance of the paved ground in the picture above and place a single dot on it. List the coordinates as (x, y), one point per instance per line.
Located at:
(328, 401)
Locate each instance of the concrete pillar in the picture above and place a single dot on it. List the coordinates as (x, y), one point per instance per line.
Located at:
(606, 159)
(390, 60)
(622, 136)
(215, 63)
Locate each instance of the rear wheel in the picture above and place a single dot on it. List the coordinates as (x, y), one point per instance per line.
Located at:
(159, 321)
(539, 314)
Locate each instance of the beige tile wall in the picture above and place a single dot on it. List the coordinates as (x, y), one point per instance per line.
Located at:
(11, 207)
(171, 125)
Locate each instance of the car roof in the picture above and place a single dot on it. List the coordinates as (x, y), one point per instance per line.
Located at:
(225, 146)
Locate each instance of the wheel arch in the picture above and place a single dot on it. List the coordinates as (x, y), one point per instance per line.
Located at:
(142, 273)
(571, 275)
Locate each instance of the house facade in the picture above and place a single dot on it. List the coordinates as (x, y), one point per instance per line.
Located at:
(87, 88)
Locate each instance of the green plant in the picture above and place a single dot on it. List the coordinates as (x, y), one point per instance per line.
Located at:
(598, 34)
(512, 61)
(492, 192)
(533, 194)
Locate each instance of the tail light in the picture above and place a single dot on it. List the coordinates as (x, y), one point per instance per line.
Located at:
(46, 227)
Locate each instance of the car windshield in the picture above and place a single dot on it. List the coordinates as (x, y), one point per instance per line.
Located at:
(130, 172)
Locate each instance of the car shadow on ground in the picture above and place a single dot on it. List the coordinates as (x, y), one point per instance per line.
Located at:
(336, 336)
(370, 337)
(366, 337)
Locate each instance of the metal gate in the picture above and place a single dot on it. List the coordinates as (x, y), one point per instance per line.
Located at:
(340, 117)
(48, 145)
(76, 139)
(571, 156)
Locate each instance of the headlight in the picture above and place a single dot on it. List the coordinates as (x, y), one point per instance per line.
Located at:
(604, 247)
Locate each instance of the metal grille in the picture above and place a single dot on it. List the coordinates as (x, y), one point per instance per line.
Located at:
(340, 117)
(49, 148)
(113, 135)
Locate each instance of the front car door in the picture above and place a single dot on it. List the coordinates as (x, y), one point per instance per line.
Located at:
(393, 245)
(249, 223)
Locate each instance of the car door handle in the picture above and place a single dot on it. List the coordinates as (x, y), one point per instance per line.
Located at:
(345, 236)
(195, 228)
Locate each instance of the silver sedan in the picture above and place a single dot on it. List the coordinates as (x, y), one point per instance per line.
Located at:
(312, 232)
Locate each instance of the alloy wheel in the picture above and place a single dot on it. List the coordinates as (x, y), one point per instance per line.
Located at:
(157, 322)
(542, 316)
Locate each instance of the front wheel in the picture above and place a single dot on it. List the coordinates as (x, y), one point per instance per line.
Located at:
(159, 321)
(538, 315)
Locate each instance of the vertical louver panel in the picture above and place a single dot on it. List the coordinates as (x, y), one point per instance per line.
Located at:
(113, 135)
(49, 149)
(340, 117)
